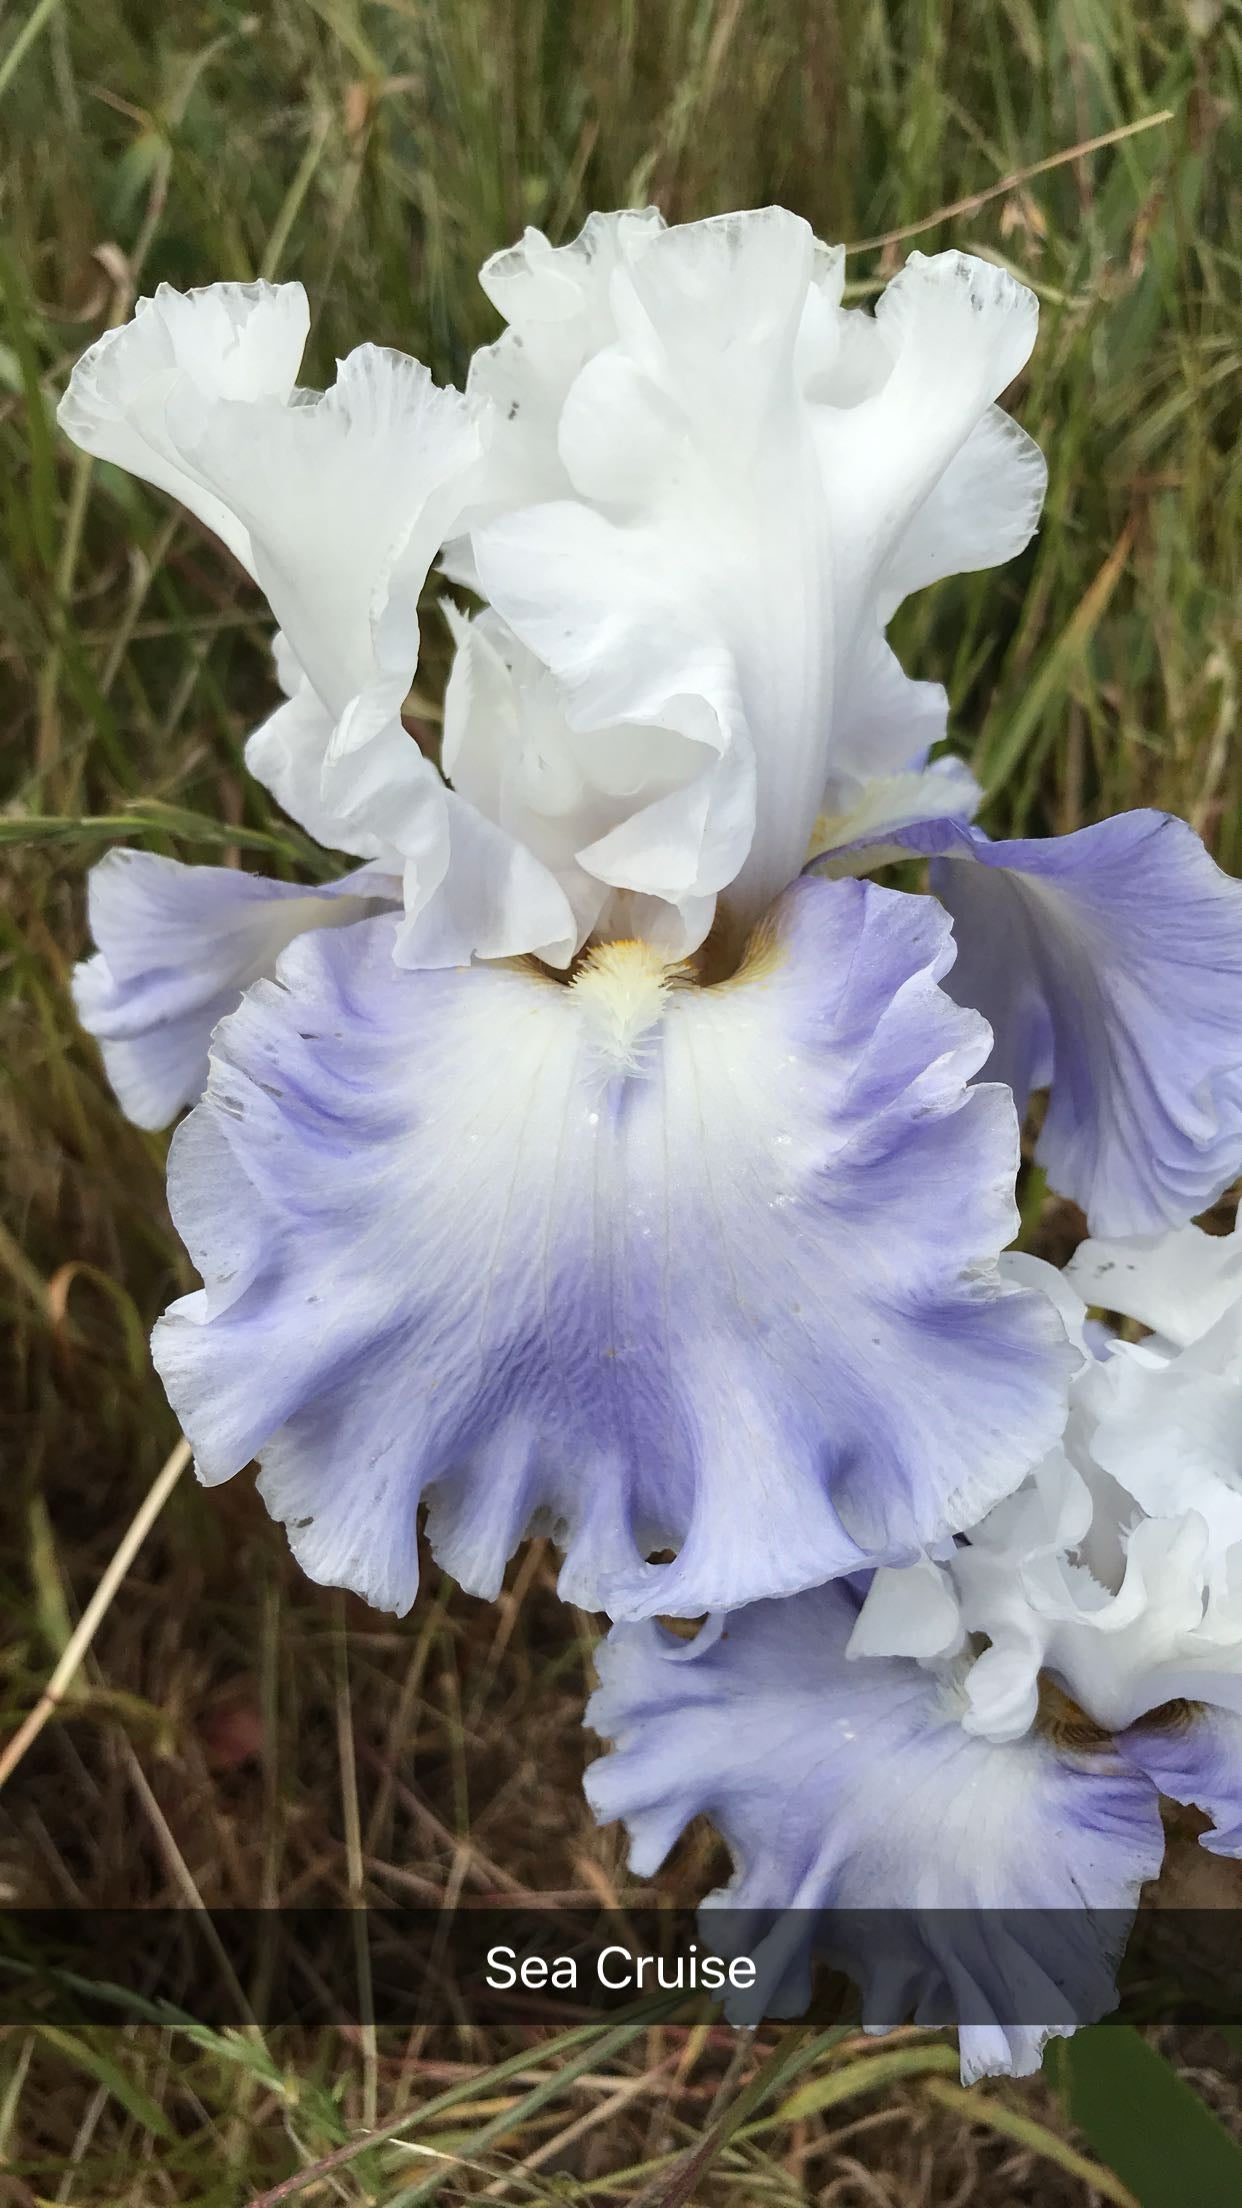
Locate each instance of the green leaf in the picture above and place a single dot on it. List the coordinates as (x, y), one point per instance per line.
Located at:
(85, 2056)
(51, 1609)
(1148, 2125)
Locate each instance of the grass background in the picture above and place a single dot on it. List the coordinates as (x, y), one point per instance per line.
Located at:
(235, 1735)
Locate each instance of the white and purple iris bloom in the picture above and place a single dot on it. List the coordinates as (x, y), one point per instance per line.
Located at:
(603, 1154)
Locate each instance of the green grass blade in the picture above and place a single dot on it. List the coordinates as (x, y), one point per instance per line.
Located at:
(150, 820)
(85, 2056)
(865, 2076)
(43, 517)
(36, 21)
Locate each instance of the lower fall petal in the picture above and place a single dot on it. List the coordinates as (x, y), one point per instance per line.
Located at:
(649, 1264)
(1109, 965)
(1131, 938)
(965, 1882)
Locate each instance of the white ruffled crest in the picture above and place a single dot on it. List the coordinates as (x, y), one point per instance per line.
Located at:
(557, 304)
(286, 754)
(336, 501)
(242, 342)
(759, 477)
(347, 496)
(470, 888)
(1167, 1624)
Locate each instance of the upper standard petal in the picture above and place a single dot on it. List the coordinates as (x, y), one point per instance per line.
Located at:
(742, 508)
(337, 503)
(242, 342)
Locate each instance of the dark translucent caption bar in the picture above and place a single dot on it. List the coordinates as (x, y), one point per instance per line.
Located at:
(556, 1966)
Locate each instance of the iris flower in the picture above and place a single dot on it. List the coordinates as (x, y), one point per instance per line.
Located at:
(862, 1750)
(603, 1154)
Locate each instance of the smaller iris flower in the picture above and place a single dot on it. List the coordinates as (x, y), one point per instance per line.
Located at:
(860, 1756)
(582, 1161)
(1117, 1567)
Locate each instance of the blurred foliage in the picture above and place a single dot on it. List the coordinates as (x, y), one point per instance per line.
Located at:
(1148, 2124)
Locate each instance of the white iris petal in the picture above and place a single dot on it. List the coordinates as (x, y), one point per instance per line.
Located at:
(336, 502)
(759, 477)
(695, 487)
